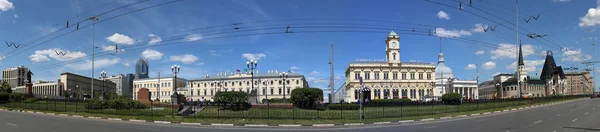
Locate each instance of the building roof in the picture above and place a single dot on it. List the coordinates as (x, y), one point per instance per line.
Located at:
(521, 55)
(244, 76)
(167, 77)
(550, 68)
(441, 70)
(393, 33)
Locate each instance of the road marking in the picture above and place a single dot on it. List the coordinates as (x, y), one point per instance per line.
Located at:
(537, 122)
(586, 113)
(558, 115)
(594, 109)
(479, 120)
(12, 124)
(574, 120)
(430, 127)
(571, 110)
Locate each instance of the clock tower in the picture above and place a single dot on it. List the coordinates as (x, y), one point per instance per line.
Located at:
(392, 48)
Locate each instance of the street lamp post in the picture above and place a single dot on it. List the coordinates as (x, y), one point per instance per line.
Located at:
(175, 69)
(93, 18)
(103, 75)
(430, 93)
(266, 90)
(252, 64)
(283, 77)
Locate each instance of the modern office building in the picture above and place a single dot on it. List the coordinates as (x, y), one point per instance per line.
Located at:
(579, 83)
(389, 78)
(78, 85)
(124, 84)
(161, 89)
(15, 76)
(268, 85)
(141, 69)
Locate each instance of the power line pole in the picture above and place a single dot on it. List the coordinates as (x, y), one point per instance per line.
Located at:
(158, 94)
(517, 47)
(94, 19)
(332, 78)
(594, 68)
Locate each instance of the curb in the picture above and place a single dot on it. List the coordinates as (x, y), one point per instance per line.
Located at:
(295, 125)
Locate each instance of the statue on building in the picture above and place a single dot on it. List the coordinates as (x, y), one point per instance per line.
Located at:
(29, 73)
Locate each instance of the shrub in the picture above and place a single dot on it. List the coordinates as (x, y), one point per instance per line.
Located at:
(30, 100)
(118, 104)
(4, 96)
(17, 96)
(231, 97)
(276, 100)
(306, 97)
(391, 101)
(452, 98)
(343, 106)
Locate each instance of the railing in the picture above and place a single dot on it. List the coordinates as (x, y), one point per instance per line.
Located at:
(288, 111)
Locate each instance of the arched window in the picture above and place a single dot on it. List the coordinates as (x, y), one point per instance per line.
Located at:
(297, 82)
(394, 54)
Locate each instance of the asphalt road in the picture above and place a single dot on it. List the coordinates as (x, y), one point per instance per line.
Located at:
(577, 116)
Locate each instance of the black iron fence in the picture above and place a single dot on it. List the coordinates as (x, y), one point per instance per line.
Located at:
(344, 111)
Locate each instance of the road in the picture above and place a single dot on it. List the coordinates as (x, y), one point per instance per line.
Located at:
(577, 116)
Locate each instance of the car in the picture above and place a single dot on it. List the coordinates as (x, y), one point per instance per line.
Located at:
(592, 97)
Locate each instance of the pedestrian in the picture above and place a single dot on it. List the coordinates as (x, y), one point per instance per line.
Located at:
(358, 101)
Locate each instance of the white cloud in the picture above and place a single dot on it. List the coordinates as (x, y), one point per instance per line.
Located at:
(2, 58)
(45, 55)
(154, 39)
(193, 37)
(111, 48)
(200, 64)
(561, 0)
(505, 51)
(214, 53)
(250, 56)
(294, 68)
(530, 65)
(480, 52)
(574, 55)
(592, 18)
(16, 16)
(87, 65)
(489, 65)
(471, 67)
(443, 15)
(152, 54)
(338, 78)
(313, 73)
(5, 5)
(442, 32)
(120, 39)
(126, 64)
(185, 59)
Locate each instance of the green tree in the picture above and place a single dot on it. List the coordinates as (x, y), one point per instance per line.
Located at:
(306, 97)
(5, 87)
(452, 98)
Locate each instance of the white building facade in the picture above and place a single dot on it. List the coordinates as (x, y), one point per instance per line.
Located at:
(15, 76)
(389, 79)
(160, 88)
(446, 82)
(46, 89)
(267, 85)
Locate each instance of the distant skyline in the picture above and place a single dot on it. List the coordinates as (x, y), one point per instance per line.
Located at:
(239, 30)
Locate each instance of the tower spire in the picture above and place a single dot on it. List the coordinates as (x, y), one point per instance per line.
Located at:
(441, 55)
(521, 55)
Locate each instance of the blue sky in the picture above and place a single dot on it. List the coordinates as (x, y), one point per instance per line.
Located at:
(571, 29)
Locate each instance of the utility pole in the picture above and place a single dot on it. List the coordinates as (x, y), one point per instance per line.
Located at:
(158, 94)
(594, 68)
(476, 79)
(517, 47)
(94, 19)
(332, 78)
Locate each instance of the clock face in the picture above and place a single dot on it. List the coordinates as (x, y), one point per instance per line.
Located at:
(394, 44)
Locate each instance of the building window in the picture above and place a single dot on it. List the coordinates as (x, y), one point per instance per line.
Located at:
(420, 76)
(205, 85)
(412, 76)
(204, 91)
(385, 76)
(211, 92)
(279, 91)
(272, 91)
(367, 75)
(356, 76)
(279, 82)
(297, 82)
(247, 83)
(403, 76)
(395, 76)
(240, 83)
(428, 76)
(264, 91)
(394, 54)
(376, 75)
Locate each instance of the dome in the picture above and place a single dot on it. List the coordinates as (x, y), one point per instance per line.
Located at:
(442, 68)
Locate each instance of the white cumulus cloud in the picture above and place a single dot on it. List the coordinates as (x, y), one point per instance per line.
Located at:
(530, 65)
(314, 73)
(16, 16)
(6, 5)
(592, 18)
(57, 54)
(443, 32)
(505, 51)
(250, 56)
(574, 55)
(489, 65)
(443, 15)
(561, 0)
(480, 52)
(151, 54)
(120, 39)
(471, 67)
(193, 37)
(185, 59)
(154, 39)
(87, 65)
(111, 48)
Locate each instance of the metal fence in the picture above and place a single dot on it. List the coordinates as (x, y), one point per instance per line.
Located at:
(289, 111)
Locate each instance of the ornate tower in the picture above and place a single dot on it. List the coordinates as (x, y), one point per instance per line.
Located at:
(392, 48)
(521, 65)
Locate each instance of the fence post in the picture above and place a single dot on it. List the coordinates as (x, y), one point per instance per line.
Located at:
(342, 111)
(172, 113)
(445, 107)
(101, 106)
(417, 108)
(468, 103)
(293, 111)
(383, 110)
(477, 104)
(65, 105)
(76, 102)
(401, 107)
(46, 104)
(268, 108)
(151, 109)
(432, 107)
(218, 107)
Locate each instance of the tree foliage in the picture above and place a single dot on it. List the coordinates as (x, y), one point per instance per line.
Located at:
(306, 97)
(231, 97)
(117, 103)
(5, 87)
(451, 98)
(4, 96)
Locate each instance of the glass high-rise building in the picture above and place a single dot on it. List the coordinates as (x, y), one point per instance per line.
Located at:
(141, 69)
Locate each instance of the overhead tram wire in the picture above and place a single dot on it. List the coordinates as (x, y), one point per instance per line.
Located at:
(103, 20)
(74, 24)
(77, 16)
(162, 44)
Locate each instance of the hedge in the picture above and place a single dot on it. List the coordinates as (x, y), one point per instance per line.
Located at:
(30, 100)
(231, 97)
(17, 96)
(4, 96)
(114, 104)
(452, 98)
(390, 101)
(343, 106)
